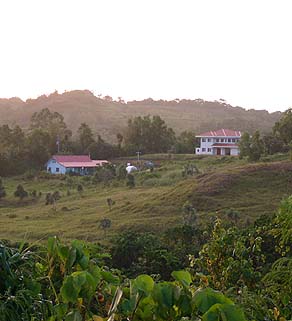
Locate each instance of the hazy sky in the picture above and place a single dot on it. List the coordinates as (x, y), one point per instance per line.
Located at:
(239, 50)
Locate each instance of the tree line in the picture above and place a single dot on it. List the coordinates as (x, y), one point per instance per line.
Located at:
(278, 141)
(48, 134)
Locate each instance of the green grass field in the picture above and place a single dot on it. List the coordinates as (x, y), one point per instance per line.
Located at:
(155, 204)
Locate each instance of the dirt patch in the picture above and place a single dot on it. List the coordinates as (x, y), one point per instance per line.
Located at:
(214, 183)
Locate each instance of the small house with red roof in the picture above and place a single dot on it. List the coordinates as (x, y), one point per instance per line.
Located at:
(77, 164)
(219, 142)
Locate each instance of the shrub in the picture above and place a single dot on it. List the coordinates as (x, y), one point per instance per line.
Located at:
(110, 203)
(130, 181)
(2, 189)
(20, 192)
(80, 189)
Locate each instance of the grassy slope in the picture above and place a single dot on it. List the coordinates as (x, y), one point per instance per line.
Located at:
(155, 204)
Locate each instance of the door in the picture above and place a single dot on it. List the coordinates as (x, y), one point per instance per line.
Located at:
(218, 151)
(227, 151)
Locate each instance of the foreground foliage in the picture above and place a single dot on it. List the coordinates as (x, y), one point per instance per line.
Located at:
(71, 283)
(237, 274)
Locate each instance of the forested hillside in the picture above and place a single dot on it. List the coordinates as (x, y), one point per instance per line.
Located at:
(108, 117)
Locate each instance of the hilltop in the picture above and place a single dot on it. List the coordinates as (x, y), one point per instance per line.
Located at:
(108, 117)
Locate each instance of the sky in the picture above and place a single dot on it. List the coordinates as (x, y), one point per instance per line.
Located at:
(237, 50)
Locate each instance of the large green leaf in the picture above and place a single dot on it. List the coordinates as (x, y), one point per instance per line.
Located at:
(72, 285)
(184, 277)
(71, 258)
(224, 312)
(204, 299)
(52, 244)
(165, 294)
(69, 291)
(63, 252)
(144, 283)
(60, 310)
(109, 277)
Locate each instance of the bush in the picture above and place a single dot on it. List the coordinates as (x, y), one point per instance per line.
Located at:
(20, 192)
(130, 181)
(2, 189)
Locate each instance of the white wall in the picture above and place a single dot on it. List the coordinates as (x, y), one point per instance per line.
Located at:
(54, 166)
(207, 149)
(234, 151)
(205, 146)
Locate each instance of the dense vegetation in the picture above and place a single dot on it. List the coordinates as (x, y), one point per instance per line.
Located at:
(22, 150)
(80, 281)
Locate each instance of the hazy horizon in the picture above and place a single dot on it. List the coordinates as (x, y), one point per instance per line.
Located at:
(237, 51)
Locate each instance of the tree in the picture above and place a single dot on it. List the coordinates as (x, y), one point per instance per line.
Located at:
(38, 147)
(102, 150)
(256, 147)
(252, 147)
(85, 137)
(20, 192)
(148, 134)
(244, 145)
(12, 150)
(2, 189)
(283, 127)
(54, 124)
(273, 144)
(185, 142)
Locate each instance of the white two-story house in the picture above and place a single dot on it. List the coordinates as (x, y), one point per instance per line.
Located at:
(219, 142)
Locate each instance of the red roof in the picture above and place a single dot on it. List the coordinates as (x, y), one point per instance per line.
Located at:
(78, 161)
(71, 158)
(221, 133)
(224, 145)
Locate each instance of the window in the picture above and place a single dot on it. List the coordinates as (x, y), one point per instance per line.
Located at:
(217, 140)
(229, 140)
(222, 140)
(203, 149)
(57, 169)
(209, 150)
(233, 140)
(203, 140)
(53, 161)
(49, 169)
(209, 139)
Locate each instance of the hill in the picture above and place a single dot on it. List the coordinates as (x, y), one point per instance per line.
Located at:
(108, 117)
(154, 205)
